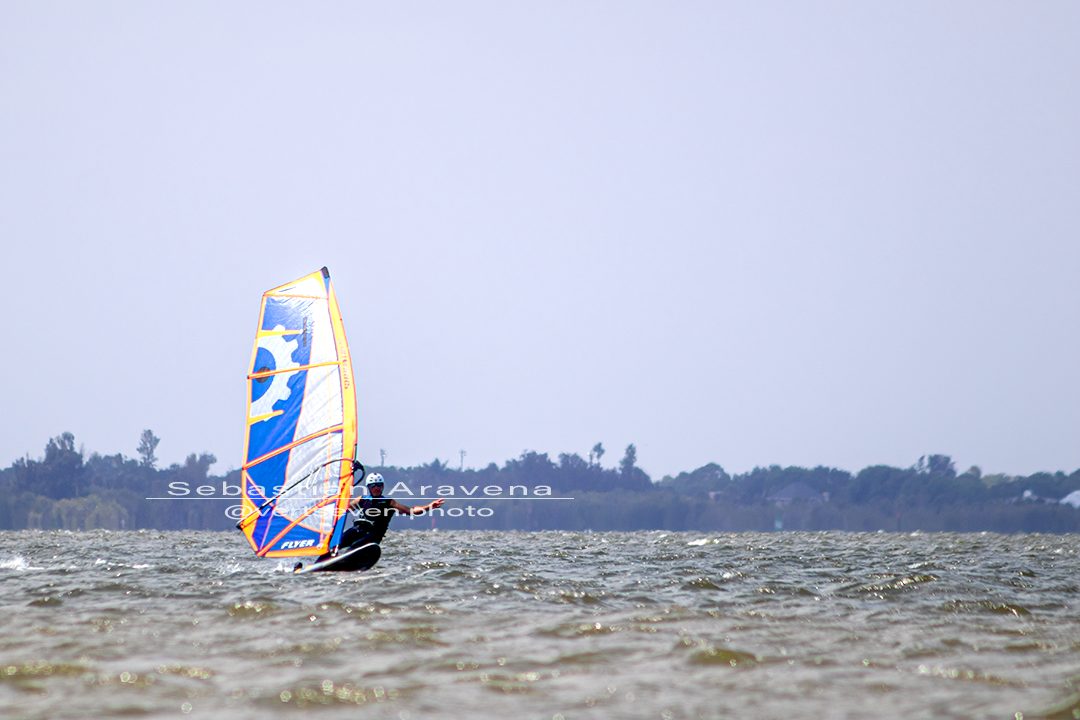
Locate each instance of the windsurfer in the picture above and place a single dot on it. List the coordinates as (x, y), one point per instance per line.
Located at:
(373, 515)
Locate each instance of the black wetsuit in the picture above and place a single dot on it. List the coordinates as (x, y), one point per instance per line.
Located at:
(373, 519)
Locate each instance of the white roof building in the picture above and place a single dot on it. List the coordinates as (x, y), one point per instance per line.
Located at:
(1072, 498)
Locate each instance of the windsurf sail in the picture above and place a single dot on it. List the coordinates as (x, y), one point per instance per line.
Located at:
(300, 442)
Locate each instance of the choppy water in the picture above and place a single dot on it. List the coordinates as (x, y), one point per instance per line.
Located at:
(544, 625)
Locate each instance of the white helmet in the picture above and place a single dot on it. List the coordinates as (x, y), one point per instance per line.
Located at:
(374, 479)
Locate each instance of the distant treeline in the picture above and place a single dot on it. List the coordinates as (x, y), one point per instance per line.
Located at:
(68, 490)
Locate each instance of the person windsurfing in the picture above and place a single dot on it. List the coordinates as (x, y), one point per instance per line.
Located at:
(372, 516)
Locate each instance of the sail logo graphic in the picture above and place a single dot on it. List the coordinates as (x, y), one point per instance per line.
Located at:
(293, 544)
(274, 355)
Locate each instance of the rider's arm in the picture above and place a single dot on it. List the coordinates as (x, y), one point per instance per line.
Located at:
(417, 509)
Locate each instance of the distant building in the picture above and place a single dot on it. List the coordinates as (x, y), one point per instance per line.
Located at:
(1072, 498)
(1030, 497)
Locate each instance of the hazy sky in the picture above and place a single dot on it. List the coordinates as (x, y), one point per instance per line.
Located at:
(750, 233)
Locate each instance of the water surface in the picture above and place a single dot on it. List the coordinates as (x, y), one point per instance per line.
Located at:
(544, 625)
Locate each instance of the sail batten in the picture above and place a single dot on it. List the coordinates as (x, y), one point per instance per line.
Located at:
(270, 373)
(300, 440)
(286, 448)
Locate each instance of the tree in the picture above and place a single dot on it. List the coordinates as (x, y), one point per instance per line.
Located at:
(941, 465)
(706, 479)
(148, 442)
(631, 477)
(61, 447)
(200, 464)
(598, 452)
(534, 468)
(629, 461)
(572, 463)
(60, 475)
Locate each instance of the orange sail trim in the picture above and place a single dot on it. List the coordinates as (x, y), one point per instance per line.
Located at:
(317, 275)
(270, 373)
(297, 297)
(348, 395)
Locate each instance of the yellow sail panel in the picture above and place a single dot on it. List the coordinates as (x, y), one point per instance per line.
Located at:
(300, 439)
